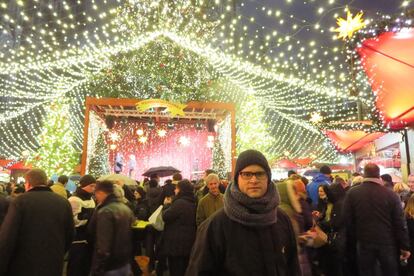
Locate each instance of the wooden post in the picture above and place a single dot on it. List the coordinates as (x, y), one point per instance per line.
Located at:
(85, 136)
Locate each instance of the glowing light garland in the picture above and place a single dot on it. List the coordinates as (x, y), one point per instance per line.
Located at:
(57, 60)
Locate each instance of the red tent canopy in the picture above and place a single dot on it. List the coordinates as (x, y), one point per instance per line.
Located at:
(5, 162)
(19, 166)
(304, 162)
(351, 140)
(388, 61)
(14, 165)
(286, 164)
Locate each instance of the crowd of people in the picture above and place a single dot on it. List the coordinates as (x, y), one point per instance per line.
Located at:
(250, 226)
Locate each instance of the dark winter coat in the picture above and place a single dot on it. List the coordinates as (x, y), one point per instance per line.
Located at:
(225, 247)
(180, 226)
(4, 206)
(36, 233)
(111, 227)
(154, 197)
(141, 209)
(373, 215)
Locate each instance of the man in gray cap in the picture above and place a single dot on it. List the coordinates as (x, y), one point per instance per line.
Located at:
(250, 235)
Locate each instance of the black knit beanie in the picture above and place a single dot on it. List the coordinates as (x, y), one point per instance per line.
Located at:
(86, 180)
(251, 157)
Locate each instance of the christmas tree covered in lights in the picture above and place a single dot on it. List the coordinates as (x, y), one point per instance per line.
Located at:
(161, 68)
(219, 162)
(252, 129)
(56, 154)
(99, 162)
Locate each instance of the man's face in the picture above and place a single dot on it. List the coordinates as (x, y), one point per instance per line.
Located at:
(252, 181)
(411, 182)
(90, 188)
(213, 187)
(100, 196)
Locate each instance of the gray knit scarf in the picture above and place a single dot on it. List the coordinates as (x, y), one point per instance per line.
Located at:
(251, 211)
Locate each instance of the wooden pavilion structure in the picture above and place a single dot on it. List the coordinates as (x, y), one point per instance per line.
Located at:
(126, 108)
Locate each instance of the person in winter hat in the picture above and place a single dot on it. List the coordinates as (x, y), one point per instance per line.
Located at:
(83, 205)
(250, 228)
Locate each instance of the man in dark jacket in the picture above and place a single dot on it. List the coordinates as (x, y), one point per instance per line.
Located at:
(180, 228)
(250, 235)
(4, 206)
(37, 230)
(375, 225)
(83, 206)
(111, 227)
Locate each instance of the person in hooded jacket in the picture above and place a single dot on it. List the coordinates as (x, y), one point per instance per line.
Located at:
(250, 235)
(180, 228)
(289, 202)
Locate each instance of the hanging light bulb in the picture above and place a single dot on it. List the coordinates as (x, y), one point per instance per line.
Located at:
(114, 136)
(162, 132)
(184, 141)
(143, 139)
(140, 132)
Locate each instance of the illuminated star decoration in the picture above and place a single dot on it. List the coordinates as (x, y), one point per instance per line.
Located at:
(348, 27)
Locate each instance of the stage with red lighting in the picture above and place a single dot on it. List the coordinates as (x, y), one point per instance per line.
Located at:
(141, 137)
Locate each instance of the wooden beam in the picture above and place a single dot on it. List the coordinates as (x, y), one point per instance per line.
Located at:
(85, 139)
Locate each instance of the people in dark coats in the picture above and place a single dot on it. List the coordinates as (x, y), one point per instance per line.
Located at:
(250, 235)
(83, 206)
(375, 225)
(37, 231)
(111, 227)
(4, 206)
(180, 228)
